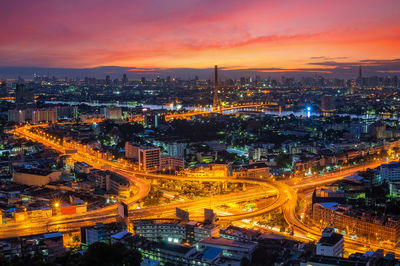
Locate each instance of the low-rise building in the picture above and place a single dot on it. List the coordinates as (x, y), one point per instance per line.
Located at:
(100, 233)
(111, 182)
(82, 167)
(210, 170)
(49, 245)
(330, 244)
(359, 223)
(239, 234)
(231, 248)
(175, 231)
(172, 163)
(35, 177)
(254, 170)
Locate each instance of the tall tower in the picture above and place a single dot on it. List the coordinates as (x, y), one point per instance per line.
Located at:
(216, 101)
(360, 77)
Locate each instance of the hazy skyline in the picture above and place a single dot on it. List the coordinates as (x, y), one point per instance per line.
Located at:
(172, 36)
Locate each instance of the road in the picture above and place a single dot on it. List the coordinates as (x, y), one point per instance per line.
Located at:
(286, 197)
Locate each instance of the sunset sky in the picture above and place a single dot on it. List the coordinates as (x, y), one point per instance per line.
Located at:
(266, 36)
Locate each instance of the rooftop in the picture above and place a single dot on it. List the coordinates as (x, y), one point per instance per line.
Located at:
(172, 247)
(331, 240)
(41, 172)
(120, 235)
(210, 253)
(228, 242)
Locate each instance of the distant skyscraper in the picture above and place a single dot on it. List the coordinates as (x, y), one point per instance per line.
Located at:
(327, 106)
(124, 79)
(360, 77)
(108, 80)
(23, 96)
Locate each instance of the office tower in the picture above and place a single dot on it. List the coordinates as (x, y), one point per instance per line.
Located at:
(124, 79)
(360, 77)
(23, 96)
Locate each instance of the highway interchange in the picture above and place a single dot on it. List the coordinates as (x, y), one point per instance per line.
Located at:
(283, 192)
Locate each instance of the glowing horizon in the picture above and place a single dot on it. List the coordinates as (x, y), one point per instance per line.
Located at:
(162, 34)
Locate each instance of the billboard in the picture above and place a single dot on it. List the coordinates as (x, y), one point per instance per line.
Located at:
(70, 209)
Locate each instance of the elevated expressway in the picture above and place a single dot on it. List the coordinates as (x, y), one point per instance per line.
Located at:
(189, 114)
(284, 193)
(108, 213)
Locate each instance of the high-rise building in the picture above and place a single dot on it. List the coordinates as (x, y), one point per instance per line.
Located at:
(108, 80)
(360, 77)
(327, 106)
(132, 150)
(46, 115)
(149, 159)
(23, 96)
(153, 120)
(111, 113)
(124, 79)
(67, 112)
(377, 130)
(176, 149)
(17, 116)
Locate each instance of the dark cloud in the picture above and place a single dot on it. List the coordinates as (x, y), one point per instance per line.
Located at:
(327, 68)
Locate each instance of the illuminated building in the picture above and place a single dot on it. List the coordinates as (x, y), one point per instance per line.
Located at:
(231, 248)
(132, 150)
(111, 113)
(17, 116)
(50, 245)
(169, 162)
(149, 158)
(255, 170)
(176, 149)
(327, 106)
(330, 243)
(174, 231)
(82, 168)
(239, 234)
(391, 174)
(35, 177)
(100, 233)
(211, 170)
(153, 120)
(111, 182)
(44, 115)
(356, 223)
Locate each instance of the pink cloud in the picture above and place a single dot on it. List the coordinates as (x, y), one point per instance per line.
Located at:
(196, 33)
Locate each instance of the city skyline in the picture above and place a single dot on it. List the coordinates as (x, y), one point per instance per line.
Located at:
(267, 38)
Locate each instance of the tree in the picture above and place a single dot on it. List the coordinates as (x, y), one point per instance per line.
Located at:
(283, 160)
(100, 254)
(244, 261)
